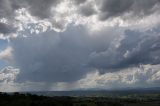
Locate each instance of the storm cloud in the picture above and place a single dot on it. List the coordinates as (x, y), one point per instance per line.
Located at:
(56, 57)
(127, 8)
(6, 29)
(39, 8)
(102, 9)
(136, 48)
(70, 55)
(61, 44)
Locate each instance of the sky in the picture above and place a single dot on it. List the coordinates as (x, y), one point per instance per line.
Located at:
(56, 45)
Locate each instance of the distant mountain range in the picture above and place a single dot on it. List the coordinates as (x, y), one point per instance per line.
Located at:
(98, 93)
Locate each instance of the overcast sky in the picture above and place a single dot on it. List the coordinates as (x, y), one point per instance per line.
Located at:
(79, 44)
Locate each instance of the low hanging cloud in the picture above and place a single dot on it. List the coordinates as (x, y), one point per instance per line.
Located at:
(8, 74)
(142, 76)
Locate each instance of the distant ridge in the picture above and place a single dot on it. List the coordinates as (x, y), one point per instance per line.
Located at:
(98, 93)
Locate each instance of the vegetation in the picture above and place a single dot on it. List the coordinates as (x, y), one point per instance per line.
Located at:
(17, 99)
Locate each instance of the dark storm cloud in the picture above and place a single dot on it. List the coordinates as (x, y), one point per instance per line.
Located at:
(38, 8)
(144, 49)
(67, 56)
(6, 29)
(7, 8)
(127, 9)
(79, 1)
(136, 8)
(70, 55)
(52, 57)
(86, 10)
(41, 8)
(136, 48)
(55, 57)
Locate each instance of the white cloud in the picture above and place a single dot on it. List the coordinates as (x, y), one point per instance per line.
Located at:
(6, 54)
(8, 74)
(143, 76)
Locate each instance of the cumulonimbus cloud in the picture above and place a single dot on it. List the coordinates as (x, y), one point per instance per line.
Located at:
(45, 55)
(70, 55)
